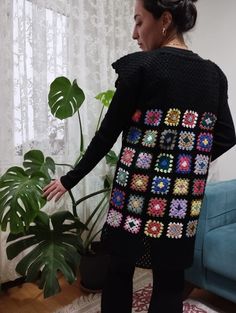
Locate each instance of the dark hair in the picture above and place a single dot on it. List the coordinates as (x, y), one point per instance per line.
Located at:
(184, 12)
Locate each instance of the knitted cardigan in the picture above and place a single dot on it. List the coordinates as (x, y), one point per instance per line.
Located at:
(171, 107)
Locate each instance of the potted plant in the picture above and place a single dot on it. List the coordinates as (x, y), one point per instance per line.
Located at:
(57, 241)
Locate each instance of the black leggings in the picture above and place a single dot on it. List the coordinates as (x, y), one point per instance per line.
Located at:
(167, 293)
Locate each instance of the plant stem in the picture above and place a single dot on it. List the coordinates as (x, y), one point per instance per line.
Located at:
(73, 203)
(81, 135)
(91, 195)
(64, 164)
(100, 116)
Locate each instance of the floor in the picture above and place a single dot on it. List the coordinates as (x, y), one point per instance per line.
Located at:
(27, 298)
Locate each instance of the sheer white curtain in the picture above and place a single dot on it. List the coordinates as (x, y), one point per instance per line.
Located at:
(43, 39)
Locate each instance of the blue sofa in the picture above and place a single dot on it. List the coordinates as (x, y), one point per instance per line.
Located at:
(214, 267)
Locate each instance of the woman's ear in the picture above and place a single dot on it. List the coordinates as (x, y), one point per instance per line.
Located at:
(167, 20)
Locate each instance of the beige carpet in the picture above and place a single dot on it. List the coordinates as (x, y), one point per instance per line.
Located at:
(141, 297)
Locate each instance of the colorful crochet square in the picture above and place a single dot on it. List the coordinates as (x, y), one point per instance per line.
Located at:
(190, 119)
(208, 121)
(174, 230)
(139, 182)
(127, 156)
(132, 224)
(144, 160)
(198, 187)
(149, 138)
(184, 164)
(204, 142)
(186, 140)
(201, 164)
(153, 229)
(160, 185)
(164, 163)
(136, 116)
(122, 177)
(153, 117)
(196, 207)
(172, 117)
(118, 198)
(181, 186)
(135, 204)
(191, 228)
(114, 218)
(178, 208)
(156, 207)
(134, 135)
(168, 139)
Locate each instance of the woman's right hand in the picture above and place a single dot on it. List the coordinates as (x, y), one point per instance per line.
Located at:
(54, 189)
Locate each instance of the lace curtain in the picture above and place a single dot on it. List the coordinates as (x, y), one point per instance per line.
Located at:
(43, 39)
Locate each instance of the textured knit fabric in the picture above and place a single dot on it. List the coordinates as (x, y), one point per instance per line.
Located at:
(172, 108)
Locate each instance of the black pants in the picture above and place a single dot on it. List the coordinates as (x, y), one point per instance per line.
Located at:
(167, 294)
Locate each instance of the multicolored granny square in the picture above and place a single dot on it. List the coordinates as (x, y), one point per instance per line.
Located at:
(190, 119)
(149, 138)
(144, 160)
(198, 187)
(172, 117)
(168, 139)
(153, 117)
(135, 204)
(139, 182)
(164, 163)
(132, 224)
(160, 185)
(201, 164)
(186, 140)
(196, 207)
(174, 230)
(118, 198)
(122, 177)
(205, 141)
(156, 207)
(191, 228)
(181, 186)
(127, 156)
(184, 164)
(208, 121)
(136, 116)
(178, 208)
(153, 229)
(134, 135)
(114, 218)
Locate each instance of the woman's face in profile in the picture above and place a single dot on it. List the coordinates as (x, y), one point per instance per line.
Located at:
(147, 30)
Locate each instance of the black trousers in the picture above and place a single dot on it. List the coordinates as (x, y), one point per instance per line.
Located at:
(167, 293)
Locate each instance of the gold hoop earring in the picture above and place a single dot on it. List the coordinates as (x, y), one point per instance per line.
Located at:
(164, 31)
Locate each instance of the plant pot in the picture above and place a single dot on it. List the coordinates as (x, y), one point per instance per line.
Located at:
(93, 268)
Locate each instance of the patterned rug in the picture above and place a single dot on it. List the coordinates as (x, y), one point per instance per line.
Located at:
(141, 297)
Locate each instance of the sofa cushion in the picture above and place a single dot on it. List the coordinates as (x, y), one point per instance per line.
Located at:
(219, 253)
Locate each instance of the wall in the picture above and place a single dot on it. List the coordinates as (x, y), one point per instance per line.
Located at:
(213, 38)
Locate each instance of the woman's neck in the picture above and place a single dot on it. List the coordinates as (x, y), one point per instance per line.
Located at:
(174, 40)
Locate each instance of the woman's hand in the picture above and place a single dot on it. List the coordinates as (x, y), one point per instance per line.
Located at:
(54, 189)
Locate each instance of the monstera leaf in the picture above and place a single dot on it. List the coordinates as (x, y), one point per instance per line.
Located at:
(65, 98)
(105, 97)
(55, 249)
(34, 161)
(20, 198)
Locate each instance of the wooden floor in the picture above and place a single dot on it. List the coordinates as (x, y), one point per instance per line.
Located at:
(27, 298)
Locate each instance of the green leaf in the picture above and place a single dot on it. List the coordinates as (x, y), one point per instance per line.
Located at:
(55, 249)
(65, 98)
(105, 97)
(34, 161)
(20, 198)
(111, 158)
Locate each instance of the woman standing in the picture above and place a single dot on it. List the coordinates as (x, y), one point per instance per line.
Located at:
(171, 106)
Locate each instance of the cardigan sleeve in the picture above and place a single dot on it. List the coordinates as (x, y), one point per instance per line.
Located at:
(224, 132)
(115, 121)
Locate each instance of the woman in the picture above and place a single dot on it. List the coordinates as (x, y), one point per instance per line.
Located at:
(171, 106)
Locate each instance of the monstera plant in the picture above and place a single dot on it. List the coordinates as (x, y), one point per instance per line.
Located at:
(56, 241)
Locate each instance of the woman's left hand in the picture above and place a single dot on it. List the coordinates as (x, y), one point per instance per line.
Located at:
(54, 189)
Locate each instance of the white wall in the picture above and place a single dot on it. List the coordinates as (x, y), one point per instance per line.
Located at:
(214, 38)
